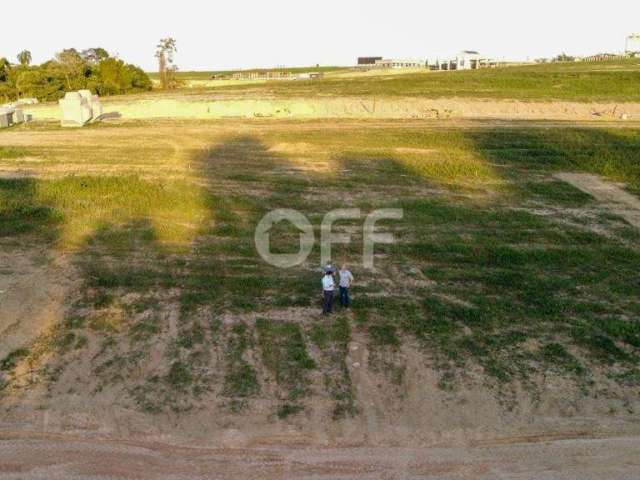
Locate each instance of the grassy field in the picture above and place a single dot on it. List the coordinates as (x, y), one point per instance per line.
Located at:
(496, 265)
(616, 81)
(206, 75)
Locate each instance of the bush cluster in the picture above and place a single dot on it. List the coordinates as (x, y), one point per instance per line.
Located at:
(92, 69)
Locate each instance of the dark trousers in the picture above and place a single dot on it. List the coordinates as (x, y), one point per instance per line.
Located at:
(327, 304)
(344, 296)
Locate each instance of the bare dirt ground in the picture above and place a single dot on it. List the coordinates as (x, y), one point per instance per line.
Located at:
(209, 107)
(69, 457)
(33, 289)
(613, 197)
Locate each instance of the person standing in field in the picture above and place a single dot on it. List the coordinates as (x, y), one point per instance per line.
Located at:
(328, 286)
(346, 279)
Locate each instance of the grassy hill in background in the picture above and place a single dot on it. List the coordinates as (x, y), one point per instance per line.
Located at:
(617, 81)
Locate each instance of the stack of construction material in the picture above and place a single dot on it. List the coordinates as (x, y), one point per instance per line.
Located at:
(11, 114)
(79, 108)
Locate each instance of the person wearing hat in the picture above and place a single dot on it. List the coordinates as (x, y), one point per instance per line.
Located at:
(328, 286)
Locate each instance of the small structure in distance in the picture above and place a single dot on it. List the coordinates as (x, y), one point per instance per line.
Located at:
(400, 63)
(632, 44)
(79, 108)
(465, 60)
(11, 114)
(269, 75)
(368, 61)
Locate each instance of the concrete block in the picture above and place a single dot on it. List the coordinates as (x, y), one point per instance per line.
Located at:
(18, 116)
(6, 117)
(5, 120)
(96, 107)
(80, 107)
(75, 110)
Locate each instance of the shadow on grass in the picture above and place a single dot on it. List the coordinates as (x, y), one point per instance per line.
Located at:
(611, 152)
(21, 213)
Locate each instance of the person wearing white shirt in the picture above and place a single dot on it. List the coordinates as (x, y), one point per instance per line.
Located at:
(346, 279)
(328, 286)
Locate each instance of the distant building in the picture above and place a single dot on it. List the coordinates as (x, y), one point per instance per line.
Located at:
(602, 57)
(270, 75)
(399, 63)
(465, 60)
(368, 61)
(632, 43)
(468, 60)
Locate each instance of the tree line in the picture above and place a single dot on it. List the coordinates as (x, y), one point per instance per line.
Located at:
(92, 69)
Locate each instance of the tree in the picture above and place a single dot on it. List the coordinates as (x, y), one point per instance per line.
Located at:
(92, 69)
(563, 57)
(164, 53)
(73, 66)
(4, 69)
(94, 55)
(24, 57)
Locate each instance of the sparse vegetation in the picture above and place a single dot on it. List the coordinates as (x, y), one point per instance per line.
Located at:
(497, 266)
(284, 353)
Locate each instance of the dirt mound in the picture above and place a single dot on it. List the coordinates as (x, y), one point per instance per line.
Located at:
(360, 108)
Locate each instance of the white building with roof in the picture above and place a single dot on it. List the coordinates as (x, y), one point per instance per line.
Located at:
(468, 60)
(632, 43)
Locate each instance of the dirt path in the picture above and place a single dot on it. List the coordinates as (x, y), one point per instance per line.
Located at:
(64, 457)
(615, 198)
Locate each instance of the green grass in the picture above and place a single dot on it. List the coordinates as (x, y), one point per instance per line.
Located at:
(496, 264)
(240, 381)
(206, 75)
(13, 152)
(601, 81)
(284, 353)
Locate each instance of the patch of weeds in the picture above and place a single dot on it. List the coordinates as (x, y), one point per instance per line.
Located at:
(498, 370)
(319, 335)
(288, 409)
(285, 354)
(361, 317)
(215, 327)
(74, 322)
(179, 377)
(384, 333)
(601, 346)
(447, 379)
(81, 342)
(557, 357)
(105, 323)
(557, 192)
(102, 299)
(10, 362)
(66, 342)
(144, 329)
(628, 378)
(333, 337)
(240, 380)
(188, 338)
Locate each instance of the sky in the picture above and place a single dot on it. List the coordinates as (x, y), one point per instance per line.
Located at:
(268, 33)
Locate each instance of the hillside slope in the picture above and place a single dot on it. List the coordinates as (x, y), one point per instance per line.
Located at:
(505, 307)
